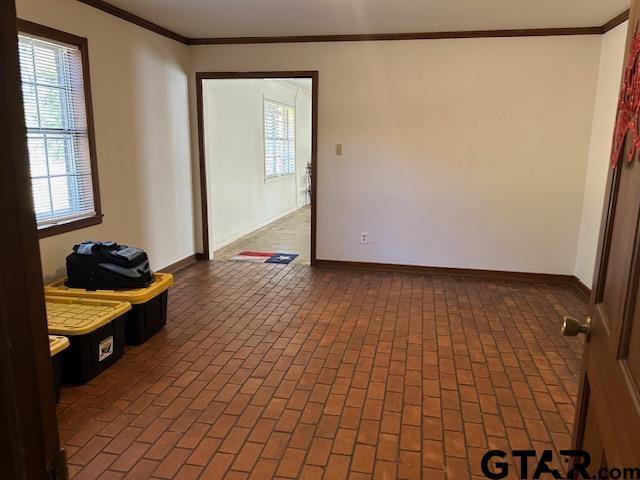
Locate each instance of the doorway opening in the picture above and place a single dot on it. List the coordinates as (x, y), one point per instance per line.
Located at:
(258, 143)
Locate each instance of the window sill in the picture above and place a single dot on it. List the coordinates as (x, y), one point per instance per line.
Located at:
(279, 178)
(59, 228)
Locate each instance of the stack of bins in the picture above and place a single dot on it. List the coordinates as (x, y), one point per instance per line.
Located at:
(149, 312)
(95, 329)
(57, 344)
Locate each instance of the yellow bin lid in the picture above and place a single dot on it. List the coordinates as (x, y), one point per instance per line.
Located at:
(79, 316)
(57, 344)
(135, 296)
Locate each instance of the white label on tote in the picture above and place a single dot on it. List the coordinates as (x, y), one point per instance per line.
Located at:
(105, 348)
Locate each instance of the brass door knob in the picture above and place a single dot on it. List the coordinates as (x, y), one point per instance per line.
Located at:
(573, 327)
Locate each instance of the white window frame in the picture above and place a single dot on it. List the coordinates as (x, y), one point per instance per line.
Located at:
(278, 176)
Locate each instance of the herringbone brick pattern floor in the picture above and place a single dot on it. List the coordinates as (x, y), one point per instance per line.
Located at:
(272, 371)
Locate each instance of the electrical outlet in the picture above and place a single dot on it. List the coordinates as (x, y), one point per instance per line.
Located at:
(338, 149)
(364, 239)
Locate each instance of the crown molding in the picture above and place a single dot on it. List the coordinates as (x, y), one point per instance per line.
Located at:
(136, 20)
(527, 32)
(614, 22)
(377, 37)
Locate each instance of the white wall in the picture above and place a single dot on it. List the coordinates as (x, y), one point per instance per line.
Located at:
(140, 99)
(457, 153)
(240, 199)
(460, 153)
(610, 73)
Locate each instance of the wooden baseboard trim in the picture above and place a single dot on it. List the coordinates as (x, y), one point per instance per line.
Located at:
(180, 264)
(581, 287)
(467, 272)
(419, 269)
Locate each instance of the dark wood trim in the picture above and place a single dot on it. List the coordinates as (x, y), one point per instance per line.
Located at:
(239, 75)
(582, 288)
(377, 37)
(614, 22)
(204, 202)
(367, 37)
(180, 264)
(315, 85)
(32, 28)
(135, 19)
(30, 443)
(93, 152)
(466, 272)
(313, 75)
(82, 43)
(69, 226)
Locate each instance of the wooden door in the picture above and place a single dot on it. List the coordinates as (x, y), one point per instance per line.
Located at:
(29, 445)
(608, 416)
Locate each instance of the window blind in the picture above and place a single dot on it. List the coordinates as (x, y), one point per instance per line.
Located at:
(57, 133)
(279, 139)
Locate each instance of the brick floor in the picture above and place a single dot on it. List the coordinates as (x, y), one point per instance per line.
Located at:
(272, 371)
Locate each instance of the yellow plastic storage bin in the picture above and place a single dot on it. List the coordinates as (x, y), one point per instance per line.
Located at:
(56, 345)
(149, 312)
(96, 334)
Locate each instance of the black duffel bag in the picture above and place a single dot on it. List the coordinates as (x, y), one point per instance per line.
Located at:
(108, 266)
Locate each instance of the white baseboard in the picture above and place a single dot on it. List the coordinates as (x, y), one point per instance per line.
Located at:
(237, 236)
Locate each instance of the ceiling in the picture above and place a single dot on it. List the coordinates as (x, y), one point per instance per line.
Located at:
(241, 18)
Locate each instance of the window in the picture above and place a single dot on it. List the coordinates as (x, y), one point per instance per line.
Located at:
(279, 139)
(55, 88)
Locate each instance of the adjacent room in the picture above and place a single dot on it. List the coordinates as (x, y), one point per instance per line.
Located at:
(257, 153)
(333, 240)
